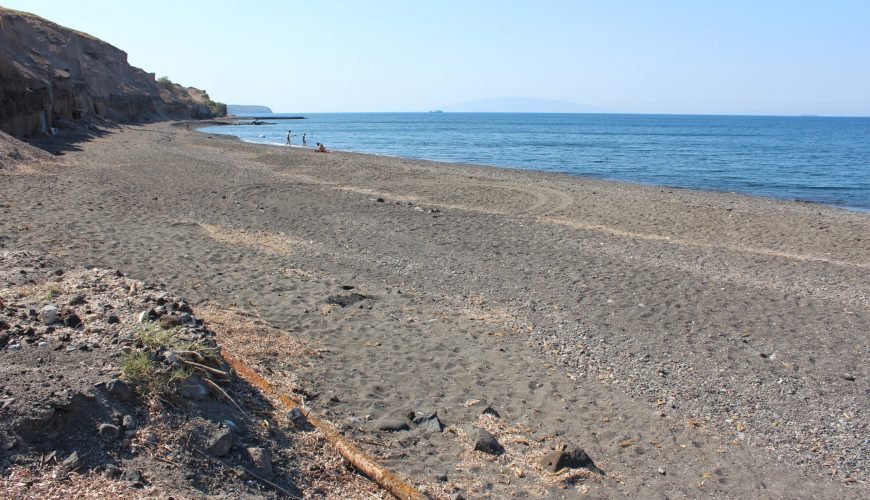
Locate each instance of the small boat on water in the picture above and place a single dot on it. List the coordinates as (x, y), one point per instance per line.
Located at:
(436, 111)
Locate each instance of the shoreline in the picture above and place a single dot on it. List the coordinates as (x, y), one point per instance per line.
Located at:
(719, 337)
(847, 208)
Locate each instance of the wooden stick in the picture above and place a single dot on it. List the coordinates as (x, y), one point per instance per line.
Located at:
(359, 459)
(203, 367)
(215, 386)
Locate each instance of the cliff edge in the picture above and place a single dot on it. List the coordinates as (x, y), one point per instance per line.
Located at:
(51, 76)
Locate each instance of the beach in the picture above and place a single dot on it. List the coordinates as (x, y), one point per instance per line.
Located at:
(694, 344)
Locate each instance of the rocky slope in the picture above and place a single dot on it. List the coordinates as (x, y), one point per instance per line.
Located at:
(51, 76)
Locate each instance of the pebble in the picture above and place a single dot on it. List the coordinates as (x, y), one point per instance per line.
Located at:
(662, 471)
(48, 314)
(109, 432)
(486, 442)
(14, 347)
(220, 443)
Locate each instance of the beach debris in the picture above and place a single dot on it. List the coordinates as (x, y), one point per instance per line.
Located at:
(486, 442)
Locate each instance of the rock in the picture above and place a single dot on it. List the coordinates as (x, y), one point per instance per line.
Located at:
(261, 459)
(129, 422)
(380, 200)
(489, 410)
(849, 377)
(345, 300)
(170, 321)
(133, 476)
(193, 388)
(298, 422)
(77, 300)
(220, 443)
(428, 422)
(662, 471)
(112, 319)
(48, 314)
(441, 478)
(119, 389)
(574, 458)
(14, 347)
(108, 432)
(148, 315)
(112, 471)
(72, 462)
(486, 442)
(391, 424)
(72, 320)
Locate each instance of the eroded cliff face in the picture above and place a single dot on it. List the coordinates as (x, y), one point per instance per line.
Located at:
(50, 74)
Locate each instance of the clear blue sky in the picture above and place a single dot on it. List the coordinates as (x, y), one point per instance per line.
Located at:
(728, 57)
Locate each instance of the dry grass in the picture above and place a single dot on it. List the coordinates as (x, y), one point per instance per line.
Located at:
(265, 241)
(20, 483)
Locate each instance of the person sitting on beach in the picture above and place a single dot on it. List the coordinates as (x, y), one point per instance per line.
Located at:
(321, 148)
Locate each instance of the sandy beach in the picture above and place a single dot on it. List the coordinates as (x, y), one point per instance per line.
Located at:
(693, 344)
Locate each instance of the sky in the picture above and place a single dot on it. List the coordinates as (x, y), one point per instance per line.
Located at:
(684, 57)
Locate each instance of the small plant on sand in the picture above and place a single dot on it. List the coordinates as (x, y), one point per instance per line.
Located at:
(166, 359)
(51, 292)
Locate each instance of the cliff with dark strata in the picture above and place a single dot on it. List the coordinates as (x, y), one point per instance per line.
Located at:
(52, 76)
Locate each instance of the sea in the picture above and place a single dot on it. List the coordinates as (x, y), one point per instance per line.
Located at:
(807, 158)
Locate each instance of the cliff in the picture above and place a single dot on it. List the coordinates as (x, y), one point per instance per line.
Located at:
(51, 75)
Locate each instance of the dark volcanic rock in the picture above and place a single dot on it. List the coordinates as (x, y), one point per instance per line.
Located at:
(486, 442)
(574, 458)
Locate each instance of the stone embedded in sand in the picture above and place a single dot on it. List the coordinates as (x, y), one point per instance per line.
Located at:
(391, 424)
(262, 462)
(112, 319)
(486, 442)
(72, 320)
(574, 458)
(109, 432)
(220, 443)
(170, 321)
(193, 388)
(48, 314)
(119, 389)
(77, 300)
(72, 462)
(428, 422)
(147, 315)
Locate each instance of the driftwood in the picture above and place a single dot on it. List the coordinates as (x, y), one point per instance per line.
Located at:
(359, 459)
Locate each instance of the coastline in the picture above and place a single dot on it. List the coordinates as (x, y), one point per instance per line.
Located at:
(721, 336)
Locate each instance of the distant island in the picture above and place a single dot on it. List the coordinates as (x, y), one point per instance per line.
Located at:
(247, 109)
(521, 105)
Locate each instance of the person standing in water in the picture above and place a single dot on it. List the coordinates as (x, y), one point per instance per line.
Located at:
(304, 141)
(288, 137)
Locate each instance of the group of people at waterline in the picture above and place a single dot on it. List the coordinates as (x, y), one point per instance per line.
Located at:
(320, 148)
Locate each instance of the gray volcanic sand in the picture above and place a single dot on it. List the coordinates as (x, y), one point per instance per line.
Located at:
(720, 337)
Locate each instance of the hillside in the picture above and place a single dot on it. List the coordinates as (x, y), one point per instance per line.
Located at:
(55, 77)
(247, 109)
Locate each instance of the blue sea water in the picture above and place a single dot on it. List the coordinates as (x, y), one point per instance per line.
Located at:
(818, 159)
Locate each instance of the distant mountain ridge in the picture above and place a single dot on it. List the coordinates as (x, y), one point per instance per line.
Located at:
(247, 109)
(521, 105)
(54, 77)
